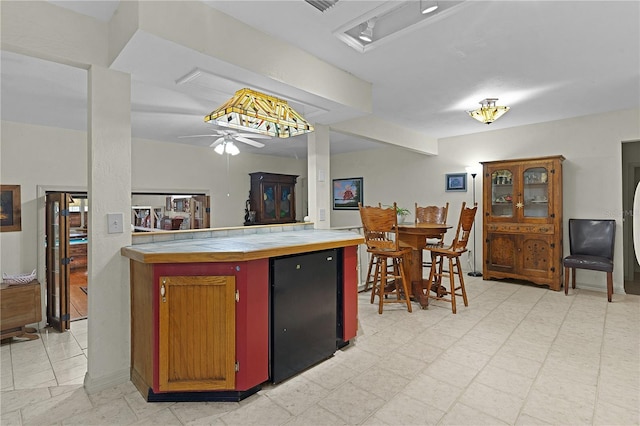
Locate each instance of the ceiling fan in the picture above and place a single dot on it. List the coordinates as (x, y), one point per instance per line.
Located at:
(226, 137)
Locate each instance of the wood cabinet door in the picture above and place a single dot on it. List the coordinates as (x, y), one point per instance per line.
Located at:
(501, 253)
(197, 333)
(286, 202)
(536, 254)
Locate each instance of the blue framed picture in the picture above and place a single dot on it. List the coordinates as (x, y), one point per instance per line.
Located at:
(456, 182)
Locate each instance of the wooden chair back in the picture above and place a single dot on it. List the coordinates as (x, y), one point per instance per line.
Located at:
(431, 214)
(380, 226)
(465, 223)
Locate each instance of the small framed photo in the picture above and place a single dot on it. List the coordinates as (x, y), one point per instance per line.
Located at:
(347, 193)
(456, 182)
(10, 207)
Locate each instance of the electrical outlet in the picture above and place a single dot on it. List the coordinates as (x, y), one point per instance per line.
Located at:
(115, 223)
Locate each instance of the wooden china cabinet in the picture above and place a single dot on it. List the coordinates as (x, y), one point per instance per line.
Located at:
(273, 198)
(522, 223)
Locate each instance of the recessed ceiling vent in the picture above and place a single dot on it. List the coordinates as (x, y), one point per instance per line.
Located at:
(322, 5)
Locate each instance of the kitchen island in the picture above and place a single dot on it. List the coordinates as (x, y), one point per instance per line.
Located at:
(216, 313)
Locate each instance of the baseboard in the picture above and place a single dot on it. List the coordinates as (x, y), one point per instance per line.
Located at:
(93, 385)
(601, 288)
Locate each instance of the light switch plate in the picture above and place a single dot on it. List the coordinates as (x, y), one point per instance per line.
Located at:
(115, 223)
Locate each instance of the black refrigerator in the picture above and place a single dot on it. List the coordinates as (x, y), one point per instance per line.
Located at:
(304, 311)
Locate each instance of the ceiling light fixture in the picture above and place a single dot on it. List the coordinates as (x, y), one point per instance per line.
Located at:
(427, 7)
(227, 147)
(259, 113)
(488, 112)
(367, 33)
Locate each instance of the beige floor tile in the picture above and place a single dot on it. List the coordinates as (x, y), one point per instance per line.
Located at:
(14, 400)
(316, 415)
(452, 373)
(381, 381)
(461, 414)
(557, 410)
(117, 412)
(498, 404)
(203, 412)
(351, 404)
(296, 395)
(506, 381)
(261, 411)
(609, 414)
(431, 392)
(42, 379)
(404, 410)
(163, 417)
(56, 409)
(11, 418)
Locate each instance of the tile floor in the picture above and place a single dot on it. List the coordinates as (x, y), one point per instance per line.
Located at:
(519, 354)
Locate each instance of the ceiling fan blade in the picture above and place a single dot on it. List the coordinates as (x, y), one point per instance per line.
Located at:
(252, 135)
(248, 141)
(217, 141)
(196, 136)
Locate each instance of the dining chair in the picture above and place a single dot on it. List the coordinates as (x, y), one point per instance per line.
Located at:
(452, 254)
(432, 214)
(591, 244)
(380, 226)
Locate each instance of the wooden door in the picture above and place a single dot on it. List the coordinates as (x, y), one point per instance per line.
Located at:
(197, 333)
(57, 218)
(201, 212)
(536, 254)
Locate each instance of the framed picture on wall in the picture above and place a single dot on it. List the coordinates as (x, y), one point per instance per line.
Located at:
(456, 182)
(10, 218)
(347, 193)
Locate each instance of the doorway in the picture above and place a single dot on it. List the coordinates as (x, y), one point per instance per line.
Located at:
(66, 239)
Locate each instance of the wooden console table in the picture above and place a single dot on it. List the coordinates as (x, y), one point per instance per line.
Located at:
(20, 305)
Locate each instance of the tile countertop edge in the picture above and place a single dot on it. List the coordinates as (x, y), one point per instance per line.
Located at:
(220, 255)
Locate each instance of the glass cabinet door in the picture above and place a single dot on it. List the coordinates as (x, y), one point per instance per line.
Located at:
(502, 193)
(536, 192)
(286, 192)
(269, 201)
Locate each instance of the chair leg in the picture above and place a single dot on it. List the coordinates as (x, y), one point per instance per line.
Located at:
(405, 280)
(566, 280)
(573, 277)
(461, 276)
(366, 284)
(453, 286)
(609, 285)
(376, 278)
(382, 283)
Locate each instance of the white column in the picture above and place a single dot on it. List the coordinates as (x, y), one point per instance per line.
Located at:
(318, 172)
(109, 190)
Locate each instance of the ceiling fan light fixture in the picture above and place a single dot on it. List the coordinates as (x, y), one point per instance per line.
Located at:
(227, 147)
(488, 111)
(427, 7)
(260, 113)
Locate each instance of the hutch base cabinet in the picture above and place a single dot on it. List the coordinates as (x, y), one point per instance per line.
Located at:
(522, 223)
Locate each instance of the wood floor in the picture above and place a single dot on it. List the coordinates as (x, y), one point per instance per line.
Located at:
(78, 309)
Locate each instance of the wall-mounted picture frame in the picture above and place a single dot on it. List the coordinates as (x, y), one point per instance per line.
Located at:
(10, 217)
(456, 182)
(347, 193)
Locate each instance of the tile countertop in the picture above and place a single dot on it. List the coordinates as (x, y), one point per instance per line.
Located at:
(241, 248)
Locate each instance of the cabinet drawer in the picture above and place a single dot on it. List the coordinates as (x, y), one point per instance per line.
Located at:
(521, 228)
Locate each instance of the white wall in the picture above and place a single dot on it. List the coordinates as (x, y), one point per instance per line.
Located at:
(592, 172)
(56, 158)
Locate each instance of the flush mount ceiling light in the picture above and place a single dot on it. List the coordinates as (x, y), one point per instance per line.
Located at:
(488, 112)
(260, 113)
(428, 6)
(367, 33)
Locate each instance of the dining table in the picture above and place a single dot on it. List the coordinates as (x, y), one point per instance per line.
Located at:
(415, 235)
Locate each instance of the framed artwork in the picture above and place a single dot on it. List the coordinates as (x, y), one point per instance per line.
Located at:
(347, 193)
(10, 219)
(456, 182)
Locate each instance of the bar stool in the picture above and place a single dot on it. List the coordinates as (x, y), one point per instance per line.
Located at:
(390, 277)
(452, 254)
